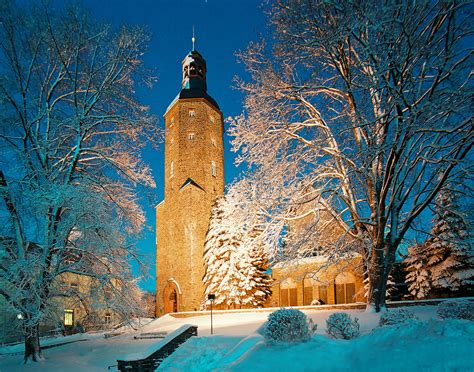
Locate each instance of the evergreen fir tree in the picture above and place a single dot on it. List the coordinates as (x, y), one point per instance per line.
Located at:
(235, 262)
(451, 258)
(445, 262)
(418, 276)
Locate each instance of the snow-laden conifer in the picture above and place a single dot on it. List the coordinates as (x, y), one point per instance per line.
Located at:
(234, 255)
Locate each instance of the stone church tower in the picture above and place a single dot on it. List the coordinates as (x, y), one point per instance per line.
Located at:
(194, 177)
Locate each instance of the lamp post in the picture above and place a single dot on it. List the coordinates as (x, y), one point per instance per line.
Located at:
(211, 297)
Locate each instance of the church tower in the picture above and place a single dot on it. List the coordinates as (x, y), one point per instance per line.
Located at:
(194, 178)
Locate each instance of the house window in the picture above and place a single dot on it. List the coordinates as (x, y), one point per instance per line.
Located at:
(108, 318)
(323, 294)
(344, 288)
(213, 168)
(74, 286)
(213, 142)
(191, 136)
(172, 169)
(68, 317)
(307, 291)
(192, 113)
(211, 119)
(288, 294)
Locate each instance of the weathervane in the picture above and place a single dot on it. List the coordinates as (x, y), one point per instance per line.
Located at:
(193, 38)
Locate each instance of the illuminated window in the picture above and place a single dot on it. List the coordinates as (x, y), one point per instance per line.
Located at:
(288, 294)
(345, 288)
(192, 113)
(172, 121)
(172, 169)
(211, 119)
(172, 141)
(213, 168)
(68, 317)
(191, 136)
(213, 141)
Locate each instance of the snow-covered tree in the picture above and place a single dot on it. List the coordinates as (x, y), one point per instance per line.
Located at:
(445, 262)
(418, 276)
(367, 107)
(71, 132)
(450, 250)
(234, 255)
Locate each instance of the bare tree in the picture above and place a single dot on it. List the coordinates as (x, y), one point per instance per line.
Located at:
(71, 131)
(369, 108)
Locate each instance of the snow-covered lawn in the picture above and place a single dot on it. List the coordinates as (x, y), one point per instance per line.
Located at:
(431, 345)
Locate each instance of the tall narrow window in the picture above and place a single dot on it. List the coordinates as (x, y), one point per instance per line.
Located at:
(172, 121)
(211, 119)
(191, 136)
(172, 169)
(68, 317)
(172, 141)
(213, 141)
(191, 113)
(213, 168)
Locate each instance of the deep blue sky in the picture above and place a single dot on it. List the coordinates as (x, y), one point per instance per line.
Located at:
(222, 27)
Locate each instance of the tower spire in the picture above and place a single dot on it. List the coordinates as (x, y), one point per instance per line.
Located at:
(193, 39)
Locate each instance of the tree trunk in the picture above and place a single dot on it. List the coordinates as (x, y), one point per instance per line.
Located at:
(32, 343)
(378, 280)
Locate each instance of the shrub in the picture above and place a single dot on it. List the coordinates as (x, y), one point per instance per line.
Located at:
(395, 316)
(456, 309)
(340, 325)
(288, 325)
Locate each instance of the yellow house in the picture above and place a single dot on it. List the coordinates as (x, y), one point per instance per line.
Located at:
(312, 281)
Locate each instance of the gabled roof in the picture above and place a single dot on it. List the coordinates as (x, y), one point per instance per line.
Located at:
(189, 181)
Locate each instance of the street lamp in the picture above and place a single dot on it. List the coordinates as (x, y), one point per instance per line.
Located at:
(211, 297)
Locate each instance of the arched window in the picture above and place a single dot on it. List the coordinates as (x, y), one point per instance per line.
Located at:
(172, 169)
(192, 69)
(288, 294)
(345, 288)
(213, 168)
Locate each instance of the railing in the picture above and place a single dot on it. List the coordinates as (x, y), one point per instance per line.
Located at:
(165, 347)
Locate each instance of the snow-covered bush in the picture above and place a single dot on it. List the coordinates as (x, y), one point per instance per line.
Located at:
(457, 309)
(395, 316)
(288, 325)
(340, 325)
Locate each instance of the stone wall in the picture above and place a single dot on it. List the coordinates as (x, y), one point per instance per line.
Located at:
(194, 151)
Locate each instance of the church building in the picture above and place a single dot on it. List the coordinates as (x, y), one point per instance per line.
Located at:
(194, 178)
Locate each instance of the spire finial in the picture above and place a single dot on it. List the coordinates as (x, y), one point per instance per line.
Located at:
(193, 38)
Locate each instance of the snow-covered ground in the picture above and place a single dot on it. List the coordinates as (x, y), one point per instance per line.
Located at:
(430, 345)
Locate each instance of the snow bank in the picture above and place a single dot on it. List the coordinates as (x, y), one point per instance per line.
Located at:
(433, 345)
(242, 350)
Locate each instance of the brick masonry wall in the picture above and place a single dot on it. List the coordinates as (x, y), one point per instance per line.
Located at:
(182, 219)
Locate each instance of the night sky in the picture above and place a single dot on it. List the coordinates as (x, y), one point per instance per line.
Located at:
(222, 27)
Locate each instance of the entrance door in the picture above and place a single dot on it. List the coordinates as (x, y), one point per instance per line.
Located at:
(170, 298)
